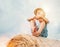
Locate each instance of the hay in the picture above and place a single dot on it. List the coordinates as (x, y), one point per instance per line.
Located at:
(32, 41)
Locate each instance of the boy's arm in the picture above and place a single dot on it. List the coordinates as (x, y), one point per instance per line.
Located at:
(33, 25)
(42, 25)
(44, 18)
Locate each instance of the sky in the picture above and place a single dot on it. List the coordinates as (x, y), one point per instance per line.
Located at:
(14, 15)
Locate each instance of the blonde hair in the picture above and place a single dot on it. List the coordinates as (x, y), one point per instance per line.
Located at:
(35, 11)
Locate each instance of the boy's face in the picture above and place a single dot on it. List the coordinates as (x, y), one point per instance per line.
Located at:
(40, 13)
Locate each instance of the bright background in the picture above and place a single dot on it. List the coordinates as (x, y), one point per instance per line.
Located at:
(14, 14)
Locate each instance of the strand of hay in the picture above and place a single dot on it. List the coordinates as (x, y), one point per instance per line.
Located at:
(32, 41)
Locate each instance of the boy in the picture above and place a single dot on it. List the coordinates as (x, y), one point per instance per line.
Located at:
(40, 17)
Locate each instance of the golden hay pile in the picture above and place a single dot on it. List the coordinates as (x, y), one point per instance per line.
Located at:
(32, 41)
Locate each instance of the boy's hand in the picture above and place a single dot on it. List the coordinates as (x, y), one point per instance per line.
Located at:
(31, 19)
(36, 33)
